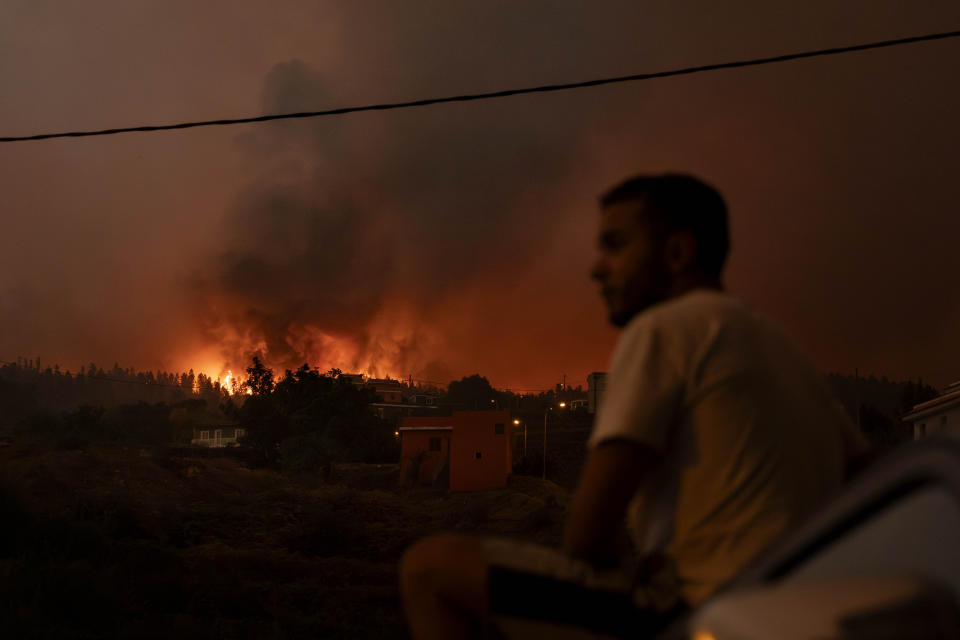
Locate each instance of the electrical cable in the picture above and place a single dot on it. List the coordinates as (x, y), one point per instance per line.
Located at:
(495, 94)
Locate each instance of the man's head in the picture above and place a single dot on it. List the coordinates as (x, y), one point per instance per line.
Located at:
(660, 236)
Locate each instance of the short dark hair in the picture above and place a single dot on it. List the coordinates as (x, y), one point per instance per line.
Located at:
(682, 202)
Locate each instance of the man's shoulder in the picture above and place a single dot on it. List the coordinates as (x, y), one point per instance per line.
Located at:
(707, 324)
(697, 308)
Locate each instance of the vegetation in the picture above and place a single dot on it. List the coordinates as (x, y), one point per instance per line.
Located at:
(111, 532)
(107, 542)
(877, 404)
(308, 421)
(139, 424)
(26, 388)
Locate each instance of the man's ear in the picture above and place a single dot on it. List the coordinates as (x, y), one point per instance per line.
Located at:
(680, 252)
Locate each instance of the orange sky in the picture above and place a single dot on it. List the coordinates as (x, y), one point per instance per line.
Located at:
(456, 239)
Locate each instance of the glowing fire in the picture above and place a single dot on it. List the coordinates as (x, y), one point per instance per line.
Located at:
(392, 345)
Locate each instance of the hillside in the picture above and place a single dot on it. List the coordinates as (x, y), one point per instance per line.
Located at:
(138, 543)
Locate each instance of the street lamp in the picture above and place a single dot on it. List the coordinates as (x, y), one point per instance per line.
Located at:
(517, 422)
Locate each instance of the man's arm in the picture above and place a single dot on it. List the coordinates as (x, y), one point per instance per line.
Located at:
(612, 474)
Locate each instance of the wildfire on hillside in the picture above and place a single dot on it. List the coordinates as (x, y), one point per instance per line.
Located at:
(381, 350)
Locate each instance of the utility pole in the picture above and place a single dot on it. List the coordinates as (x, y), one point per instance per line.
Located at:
(856, 390)
(545, 444)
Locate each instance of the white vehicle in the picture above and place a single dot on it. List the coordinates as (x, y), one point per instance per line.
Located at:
(882, 560)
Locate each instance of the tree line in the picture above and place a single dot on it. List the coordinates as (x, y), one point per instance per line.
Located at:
(26, 388)
(305, 419)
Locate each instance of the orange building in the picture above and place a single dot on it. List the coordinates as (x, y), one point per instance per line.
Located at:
(467, 451)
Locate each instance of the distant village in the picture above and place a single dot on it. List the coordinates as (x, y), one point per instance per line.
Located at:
(463, 435)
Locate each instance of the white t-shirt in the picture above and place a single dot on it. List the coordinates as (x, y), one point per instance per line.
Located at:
(751, 438)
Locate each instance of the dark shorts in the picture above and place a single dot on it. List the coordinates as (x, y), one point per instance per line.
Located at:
(535, 591)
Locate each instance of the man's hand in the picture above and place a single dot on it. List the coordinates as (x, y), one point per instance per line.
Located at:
(612, 474)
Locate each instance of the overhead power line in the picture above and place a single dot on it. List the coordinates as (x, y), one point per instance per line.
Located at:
(388, 106)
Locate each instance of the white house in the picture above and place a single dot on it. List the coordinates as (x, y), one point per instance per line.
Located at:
(217, 435)
(940, 415)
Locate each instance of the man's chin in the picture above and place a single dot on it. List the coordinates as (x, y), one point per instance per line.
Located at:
(620, 317)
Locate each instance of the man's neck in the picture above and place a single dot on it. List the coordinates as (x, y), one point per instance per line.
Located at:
(685, 284)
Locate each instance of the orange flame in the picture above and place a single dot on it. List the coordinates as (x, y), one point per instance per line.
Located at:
(392, 345)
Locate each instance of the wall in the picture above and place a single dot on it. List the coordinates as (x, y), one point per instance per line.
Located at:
(947, 421)
(416, 444)
(473, 432)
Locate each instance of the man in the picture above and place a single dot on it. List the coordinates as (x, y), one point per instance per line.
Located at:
(715, 437)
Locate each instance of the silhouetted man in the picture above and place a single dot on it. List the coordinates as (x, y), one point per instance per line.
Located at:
(715, 437)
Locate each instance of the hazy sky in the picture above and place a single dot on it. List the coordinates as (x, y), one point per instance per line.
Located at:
(457, 239)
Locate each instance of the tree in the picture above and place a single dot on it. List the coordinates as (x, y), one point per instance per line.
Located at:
(309, 421)
(881, 428)
(472, 392)
(187, 380)
(914, 394)
(259, 378)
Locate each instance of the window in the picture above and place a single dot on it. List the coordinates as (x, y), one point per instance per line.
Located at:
(479, 455)
(498, 428)
(434, 444)
(923, 429)
(217, 436)
(204, 435)
(240, 433)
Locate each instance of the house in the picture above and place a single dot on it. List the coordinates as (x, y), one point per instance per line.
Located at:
(217, 435)
(387, 390)
(422, 399)
(466, 451)
(394, 410)
(425, 452)
(352, 378)
(940, 415)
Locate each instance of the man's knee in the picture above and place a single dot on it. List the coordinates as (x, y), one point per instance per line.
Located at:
(417, 564)
(448, 566)
(424, 563)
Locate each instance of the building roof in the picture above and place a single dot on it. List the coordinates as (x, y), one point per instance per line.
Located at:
(384, 382)
(425, 429)
(931, 407)
(405, 405)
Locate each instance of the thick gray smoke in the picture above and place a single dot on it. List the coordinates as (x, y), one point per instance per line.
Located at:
(332, 239)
